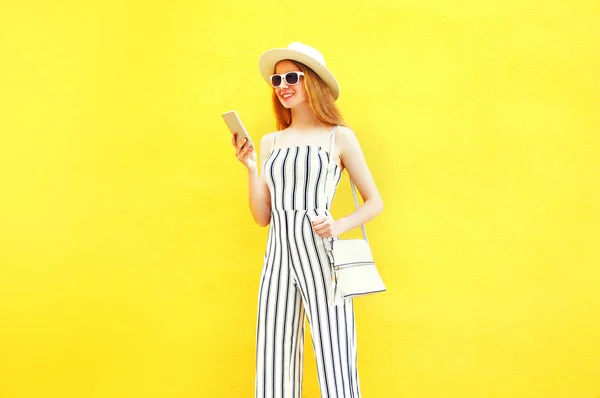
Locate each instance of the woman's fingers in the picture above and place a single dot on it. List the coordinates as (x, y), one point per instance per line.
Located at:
(242, 146)
(323, 229)
(318, 220)
(319, 225)
(324, 234)
(244, 150)
(322, 226)
(243, 154)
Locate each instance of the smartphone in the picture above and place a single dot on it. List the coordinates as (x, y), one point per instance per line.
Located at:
(236, 126)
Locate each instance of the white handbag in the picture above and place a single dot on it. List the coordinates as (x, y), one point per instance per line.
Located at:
(353, 268)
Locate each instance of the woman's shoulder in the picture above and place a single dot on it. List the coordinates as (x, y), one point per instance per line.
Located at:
(268, 140)
(345, 134)
(345, 130)
(269, 136)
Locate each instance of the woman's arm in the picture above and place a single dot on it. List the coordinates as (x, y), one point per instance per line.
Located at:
(258, 191)
(354, 161)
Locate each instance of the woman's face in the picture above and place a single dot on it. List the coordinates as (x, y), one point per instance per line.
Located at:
(290, 96)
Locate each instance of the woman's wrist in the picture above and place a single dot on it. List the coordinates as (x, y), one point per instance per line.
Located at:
(341, 226)
(252, 169)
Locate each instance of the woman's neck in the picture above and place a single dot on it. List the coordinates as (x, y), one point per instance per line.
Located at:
(303, 118)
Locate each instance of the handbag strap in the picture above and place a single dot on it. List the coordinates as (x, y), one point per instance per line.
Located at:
(329, 183)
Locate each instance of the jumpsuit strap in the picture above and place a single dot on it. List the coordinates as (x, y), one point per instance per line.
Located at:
(331, 138)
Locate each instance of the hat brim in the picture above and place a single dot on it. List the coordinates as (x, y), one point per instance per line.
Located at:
(270, 58)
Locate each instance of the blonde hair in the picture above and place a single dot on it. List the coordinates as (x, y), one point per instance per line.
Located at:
(320, 101)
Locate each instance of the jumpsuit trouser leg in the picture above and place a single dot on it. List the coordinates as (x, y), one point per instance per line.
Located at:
(295, 280)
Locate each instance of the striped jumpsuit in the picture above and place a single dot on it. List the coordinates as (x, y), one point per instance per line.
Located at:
(295, 283)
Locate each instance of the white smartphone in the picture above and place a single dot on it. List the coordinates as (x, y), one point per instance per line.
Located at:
(236, 126)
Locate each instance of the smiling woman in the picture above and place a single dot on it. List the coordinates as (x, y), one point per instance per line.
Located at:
(288, 94)
(320, 97)
(290, 196)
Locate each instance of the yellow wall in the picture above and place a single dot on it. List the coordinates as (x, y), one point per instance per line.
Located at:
(129, 262)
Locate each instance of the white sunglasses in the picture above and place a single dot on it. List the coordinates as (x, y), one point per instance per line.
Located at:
(290, 78)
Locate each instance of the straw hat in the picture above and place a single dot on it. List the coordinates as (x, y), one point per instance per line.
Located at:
(307, 55)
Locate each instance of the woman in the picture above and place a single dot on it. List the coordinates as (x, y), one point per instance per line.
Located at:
(290, 195)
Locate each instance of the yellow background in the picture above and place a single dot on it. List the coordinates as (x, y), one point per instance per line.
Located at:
(129, 262)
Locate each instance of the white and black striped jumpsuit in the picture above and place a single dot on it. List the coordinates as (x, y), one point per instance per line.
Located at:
(295, 282)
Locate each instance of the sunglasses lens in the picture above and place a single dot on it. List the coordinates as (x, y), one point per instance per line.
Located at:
(292, 78)
(275, 80)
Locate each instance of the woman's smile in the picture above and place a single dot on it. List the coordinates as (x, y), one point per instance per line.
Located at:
(287, 95)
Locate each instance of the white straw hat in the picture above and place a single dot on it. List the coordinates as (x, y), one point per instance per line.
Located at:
(307, 55)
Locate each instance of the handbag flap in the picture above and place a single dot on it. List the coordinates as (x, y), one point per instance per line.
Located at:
(349, 251)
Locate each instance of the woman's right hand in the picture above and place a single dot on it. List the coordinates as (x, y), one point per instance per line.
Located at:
(244, 151)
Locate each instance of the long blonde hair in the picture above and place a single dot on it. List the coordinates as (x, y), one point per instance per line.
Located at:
(320, 101)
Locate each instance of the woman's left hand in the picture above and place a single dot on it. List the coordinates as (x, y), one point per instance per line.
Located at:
(325, 227)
